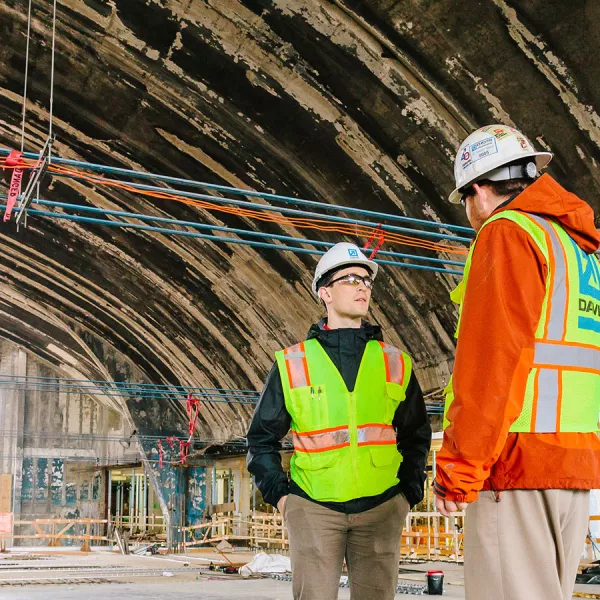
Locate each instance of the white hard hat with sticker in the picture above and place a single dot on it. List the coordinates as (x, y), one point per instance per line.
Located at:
(339, 255)
(487, 151)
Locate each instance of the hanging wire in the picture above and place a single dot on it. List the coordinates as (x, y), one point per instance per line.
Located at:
(52, 80)
(26, 77)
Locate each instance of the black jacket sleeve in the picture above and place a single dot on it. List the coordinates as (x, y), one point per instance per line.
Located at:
(270, 424)
(413, 439)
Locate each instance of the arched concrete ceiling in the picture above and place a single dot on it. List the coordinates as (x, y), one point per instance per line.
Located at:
(353, 103)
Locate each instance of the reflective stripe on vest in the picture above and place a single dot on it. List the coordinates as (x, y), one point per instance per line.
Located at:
(338, 437)
(322, 440)
(567, 356)
(297, 367)
(558, 306)
(547, 400)
(394, 363)
(376, 435)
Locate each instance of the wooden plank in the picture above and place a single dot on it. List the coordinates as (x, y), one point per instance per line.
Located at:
(213, 509)
(6, 480)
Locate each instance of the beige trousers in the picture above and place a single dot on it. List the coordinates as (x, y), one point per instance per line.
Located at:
(526, 546)
(321, 538)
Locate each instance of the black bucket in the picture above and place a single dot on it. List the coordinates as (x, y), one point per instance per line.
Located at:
(435, 583)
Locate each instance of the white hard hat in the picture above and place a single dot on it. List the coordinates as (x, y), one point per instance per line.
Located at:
(486, 154)
(339, 255)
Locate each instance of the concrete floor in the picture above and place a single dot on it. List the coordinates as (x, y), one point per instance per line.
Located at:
(195, 583)
(174, 590)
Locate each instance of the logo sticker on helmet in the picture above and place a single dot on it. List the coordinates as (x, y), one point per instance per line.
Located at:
(466, 155)
(481, 149)
(353, 252)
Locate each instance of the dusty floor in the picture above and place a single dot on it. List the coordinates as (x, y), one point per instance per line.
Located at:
(67, 576)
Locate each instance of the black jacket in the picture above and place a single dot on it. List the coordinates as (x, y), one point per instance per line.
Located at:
(271, 422)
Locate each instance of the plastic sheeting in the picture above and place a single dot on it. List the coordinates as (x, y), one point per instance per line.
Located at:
(267, 563)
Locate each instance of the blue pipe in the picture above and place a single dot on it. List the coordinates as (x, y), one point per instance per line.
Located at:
(232, 190)
(217, 238)
(201, 226)
(148, 396)
(283, 210)
(166, 386)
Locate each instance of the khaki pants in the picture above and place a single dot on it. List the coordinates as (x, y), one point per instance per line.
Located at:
(526, 546)
(321, 538)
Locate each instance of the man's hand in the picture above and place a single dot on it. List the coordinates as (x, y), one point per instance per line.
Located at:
(447, 506)
(281, 504)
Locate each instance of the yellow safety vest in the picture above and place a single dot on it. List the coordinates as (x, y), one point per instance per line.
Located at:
(344, 442)
(562, 393)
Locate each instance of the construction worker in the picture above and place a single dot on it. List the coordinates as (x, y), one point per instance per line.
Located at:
(361, 438)
(520, 449)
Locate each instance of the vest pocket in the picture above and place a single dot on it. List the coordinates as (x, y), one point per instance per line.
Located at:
(313, 461)
(383, 456)
(309, 407)
(385, 461)
(316, 475)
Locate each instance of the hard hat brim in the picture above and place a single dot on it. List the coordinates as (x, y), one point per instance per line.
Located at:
(541, 160)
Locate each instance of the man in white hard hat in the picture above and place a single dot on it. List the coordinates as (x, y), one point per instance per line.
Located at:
(361, 438)
(521, 448)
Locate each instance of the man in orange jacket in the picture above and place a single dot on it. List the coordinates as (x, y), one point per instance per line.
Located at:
(521, 449)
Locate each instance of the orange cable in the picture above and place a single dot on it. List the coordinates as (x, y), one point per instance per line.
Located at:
(296, 222)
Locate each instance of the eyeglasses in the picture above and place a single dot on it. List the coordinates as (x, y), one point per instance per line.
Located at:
(353, 279)
(470, 191)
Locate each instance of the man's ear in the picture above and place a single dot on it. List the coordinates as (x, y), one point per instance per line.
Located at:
(481, 191)
(325, 295)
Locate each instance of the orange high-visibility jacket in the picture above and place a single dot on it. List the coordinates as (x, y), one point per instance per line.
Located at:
(501, 311)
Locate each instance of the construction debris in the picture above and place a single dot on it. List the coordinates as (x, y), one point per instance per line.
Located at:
(413, 589)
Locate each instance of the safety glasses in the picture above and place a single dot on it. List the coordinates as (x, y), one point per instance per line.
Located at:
(353, 279)
(469, 191)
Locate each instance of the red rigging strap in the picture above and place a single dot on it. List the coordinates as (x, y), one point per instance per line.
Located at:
(160, 454)
(184, 451)
(394, 363)
(192, 409)
(13, 159)
(381, 239)
(296, 365)
(14, 189)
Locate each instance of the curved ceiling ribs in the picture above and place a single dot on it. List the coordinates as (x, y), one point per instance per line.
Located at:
(353, 103)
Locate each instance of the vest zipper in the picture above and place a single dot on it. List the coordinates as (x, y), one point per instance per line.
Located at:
(353, 437)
